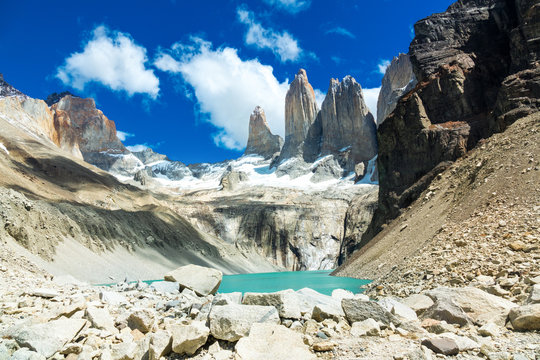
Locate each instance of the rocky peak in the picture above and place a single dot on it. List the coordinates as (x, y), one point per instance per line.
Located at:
(398, 80)
(300, 112)
(261, 141)
(8, 90)
(56, 97)
(148, 156)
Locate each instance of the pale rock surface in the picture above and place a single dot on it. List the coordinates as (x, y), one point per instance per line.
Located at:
(418, 302)
(202, 280)
(534, 296)
(359, 310)
(160, 345)
(100, 319)
(526, 317)
(447, 310)
(327, 311)
(287, 302)
(111, 297)
(367, 327)
(261, 141)
(231, 322)
(272, 342)
(26, 354)
(397, 308)
(309, 298)
(187, 339)
(142, 320)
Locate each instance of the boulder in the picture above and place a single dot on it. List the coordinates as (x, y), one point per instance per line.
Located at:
(45, 293)
(443, 346)
(526, 317)
(231, 322)
(26, 354)
(309, 298)
(287, 302)
(418, 302)
(47, 338)
(167, 287)
(272, 342)
(463, 342)
(327, 311)
(489, 329)
(142, 320)
(187, 339)
(202, 280)
(446, 310)
(126, 350)
(101, 319)
(534, 296)
(160, 345)
(112, 297)
(367, 327)
(397, 308)
(261, 141)
(228, 298)
(359, 310)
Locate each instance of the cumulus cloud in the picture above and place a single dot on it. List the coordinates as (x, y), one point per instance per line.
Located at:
(138, 147)
(370, 97)
(113, 59)
(122, 135)
(382, 65)
(341, 31)
(227, 89)
(319, 97)
(283, 45)
(291, 6)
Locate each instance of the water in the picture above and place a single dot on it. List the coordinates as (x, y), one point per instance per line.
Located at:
(319, 280)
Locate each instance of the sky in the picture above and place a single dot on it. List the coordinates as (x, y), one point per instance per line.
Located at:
(183, 77)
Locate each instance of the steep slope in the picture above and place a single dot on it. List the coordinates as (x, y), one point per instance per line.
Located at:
(261, 141)
(478, 217)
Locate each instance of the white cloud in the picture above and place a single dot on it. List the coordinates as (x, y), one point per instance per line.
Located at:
(319, 97)
(228, 88)
(166, 62)
(283, 45)
(382, 65)
(341, 31)
(292, 6)
(370, 97)
(137, 148)
(112, 59)
(122, 135)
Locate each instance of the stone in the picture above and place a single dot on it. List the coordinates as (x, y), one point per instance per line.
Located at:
(309, 298)
(227, 298)
(443, 346)
(448, 311)
(359, 310)
(526, 317)
(100, 319)
(112, 297)
(202, 280)
(142, 320)
(489, 329)
(324, 346)
(125, 350)
(160, 345)
(300, 112)
(517, 245)
(26, 354)
(463, 342)
(437, 327)
(232, 179)
(45, 293)
(368, 327)
(232, 322)
(272, 342)
(261, 141)
(418, 302)
(324, 311)
(71, 348)
(534, 296)
(399, 309)
(286, 302)
(47, 338)
(340, 294)
(166, 287)
(187, 339)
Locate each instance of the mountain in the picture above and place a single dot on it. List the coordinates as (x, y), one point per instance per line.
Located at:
(261, 141)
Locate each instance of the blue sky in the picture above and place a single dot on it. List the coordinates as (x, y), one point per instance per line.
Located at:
(183, 76)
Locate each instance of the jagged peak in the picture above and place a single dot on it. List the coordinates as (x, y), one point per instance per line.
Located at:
(258, 110)
(7, 90)
(56, 97)
(302, 72)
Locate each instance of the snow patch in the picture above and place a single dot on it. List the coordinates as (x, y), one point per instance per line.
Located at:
(4, 148)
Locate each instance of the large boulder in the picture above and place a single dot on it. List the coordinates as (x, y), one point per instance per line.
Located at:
(272, 342)
(232, 322)
(360, 310)
(261, 141)
(202, 280)
(525, 317)
(287, 302)
(101, 319)
(310, 298)
(47, 338)
(187, 339)
(447, 310)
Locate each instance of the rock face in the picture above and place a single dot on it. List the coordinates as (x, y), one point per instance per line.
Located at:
(477, 72)
(300, 112)
(261, 141)
(398, 80)
(343, 122)
(8, 90)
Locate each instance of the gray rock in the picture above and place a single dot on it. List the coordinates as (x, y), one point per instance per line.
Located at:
(272, 342)
(397, 308)
(232, 179)
(463, 342)
(45, 293)
(187, 339)
(231, 322)
(26, 354)
(534, 296)
(166, 287)
(126, 350)
(418, 302)
(261, 141)
(489, 329)
(287, 302)
(309, 298)
(200, 279)
(112, 297)
(46, 338)
(228, 298)
(101, 319)
(448, 311)
(359, 310)
(368, 327)
(327, 311)
(526, 317)
(160, 345)
(443, 346)
(142, 320)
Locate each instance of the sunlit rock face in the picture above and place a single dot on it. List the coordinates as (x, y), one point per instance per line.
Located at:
(261, 141)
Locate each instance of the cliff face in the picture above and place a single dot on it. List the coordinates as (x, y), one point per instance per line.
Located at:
(300, 112)
(398, 80)
(477, 72)
(261, 141)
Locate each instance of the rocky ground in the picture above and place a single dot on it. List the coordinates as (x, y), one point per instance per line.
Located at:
(42, 316)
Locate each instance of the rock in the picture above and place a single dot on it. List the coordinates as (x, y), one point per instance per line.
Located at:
(160, 345)
(112, 297)
(534, 296)
(47, 338)
(443, 346)
(125, 350)
(359, 310)
(324, 346)
(261, 141)
(489, 329)
(272, 342)
(526, 317)
(300, 112)
(309, 298)
(463, 342)
(26, 354)
(397, 308)
(367, 327)
(187, 339)
(340, 294)
(228, 298)
(100, 319)
(45, 293)
(437, 327)
(231, 322)
(167, 287)
(71, 348)
(418, 302)
(517, 245)
(232, 179)
(202, 280)
(142, 320)
(286, 302)
(446, 310)
(326, 311)
(398, 79)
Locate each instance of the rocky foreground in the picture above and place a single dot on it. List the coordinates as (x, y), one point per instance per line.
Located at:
(45, 317)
